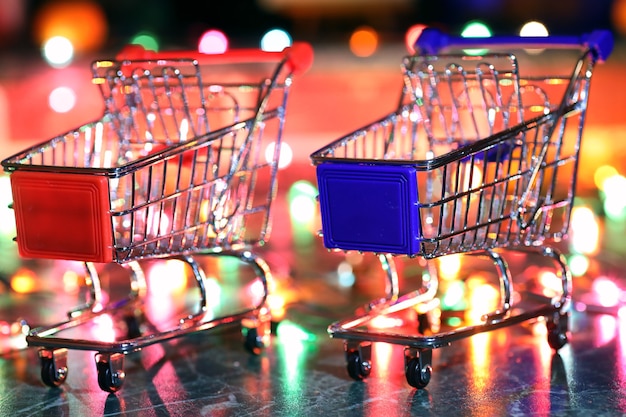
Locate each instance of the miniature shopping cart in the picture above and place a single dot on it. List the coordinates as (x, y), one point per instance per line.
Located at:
(479, 159)
(183, 163)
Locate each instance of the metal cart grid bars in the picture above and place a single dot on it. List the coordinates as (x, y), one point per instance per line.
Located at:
(480, 156)
(179, 166)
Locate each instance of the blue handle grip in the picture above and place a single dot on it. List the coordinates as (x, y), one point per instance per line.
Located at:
(433, 41)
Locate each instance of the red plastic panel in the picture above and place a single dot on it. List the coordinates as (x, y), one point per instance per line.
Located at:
(62, 216)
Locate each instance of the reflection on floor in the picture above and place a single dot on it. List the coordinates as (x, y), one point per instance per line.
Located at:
(302, 371)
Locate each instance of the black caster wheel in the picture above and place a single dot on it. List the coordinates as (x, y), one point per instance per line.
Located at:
(110, 375)
(50, 375)
(558, 327)
(53, 367)
(417, 375)
(358, 369)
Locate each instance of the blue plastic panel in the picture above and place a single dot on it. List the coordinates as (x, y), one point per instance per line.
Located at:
(369, 208)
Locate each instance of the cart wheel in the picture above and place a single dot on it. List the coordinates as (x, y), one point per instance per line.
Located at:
(558, 326)
(110, 380)
(50, 375)
(358, 369)
(53, 366)
(417, 376)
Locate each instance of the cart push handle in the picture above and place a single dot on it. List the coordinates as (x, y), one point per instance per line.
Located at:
(433, 41)
(298, 56)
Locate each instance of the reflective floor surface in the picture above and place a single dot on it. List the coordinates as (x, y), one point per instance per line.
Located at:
(302, 371)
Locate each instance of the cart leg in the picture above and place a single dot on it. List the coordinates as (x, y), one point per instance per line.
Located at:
(558, 329)
(558, 322)
(200, 278)
(256, 332)
(95, 292)
(566, 277)
(358, 359)
(257, 328)
(110, 368)
(506, 288)
(53, 366)
(392, 288)
(418, 366)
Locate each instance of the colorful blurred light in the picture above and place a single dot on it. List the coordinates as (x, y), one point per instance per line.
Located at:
(70, 281)
(578, 264)
(147, 40)
(7, 215)
(386, 322)
(454, 296)
(213, 42)
(449, 267)
(291, 332)
(24, 281)
(302, 201)
(614, 197)
(345, 275)
(533, 28)
(475, 30)
(62, 99)
(411, 36)
(58, 51)
(103, 328)
(82, 22)
(275, 40)
(585, 231)
(285, 154)
(364, 41)
(213, 291)
(608, 292)
(551, 283)
(618, 16)
(483, 298)
(167, 278)
(602, 173)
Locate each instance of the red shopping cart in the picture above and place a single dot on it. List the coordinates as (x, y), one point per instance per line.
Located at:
(183, 163)
(479, 159)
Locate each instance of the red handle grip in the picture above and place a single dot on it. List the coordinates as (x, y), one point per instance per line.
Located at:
(299, 56)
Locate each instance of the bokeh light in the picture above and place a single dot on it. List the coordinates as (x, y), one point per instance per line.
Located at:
(58, 51)
(614, 197)
(275, 40)
(411, 36)
(602, 173)
(578, 264)
(607, 291)
(7, 215)
(24, 281)
(345, 275)
(618, 16)
(147, 40)
(213, 42)
(82, 22)
(302, 202)
(475, 30)
(62, 99)
(364, 41)
(285, 154)
(585, 231)
(533, 28)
